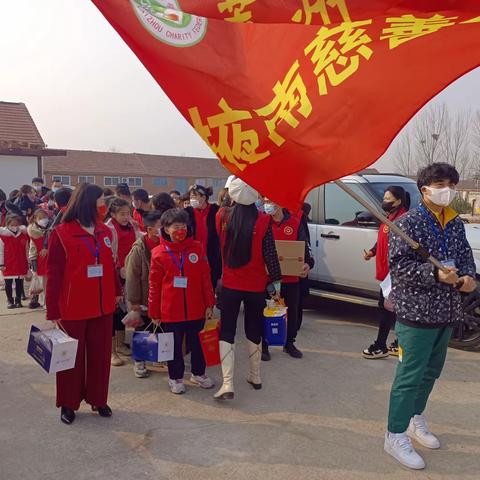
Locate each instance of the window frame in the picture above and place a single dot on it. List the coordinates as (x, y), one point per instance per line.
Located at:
(60, 178)
(86, 177)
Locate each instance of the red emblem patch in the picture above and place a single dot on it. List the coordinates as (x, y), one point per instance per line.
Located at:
(288, 231)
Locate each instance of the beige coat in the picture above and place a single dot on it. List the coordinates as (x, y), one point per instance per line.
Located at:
(137, 270)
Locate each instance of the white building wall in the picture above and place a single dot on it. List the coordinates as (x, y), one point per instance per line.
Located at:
(16, 171)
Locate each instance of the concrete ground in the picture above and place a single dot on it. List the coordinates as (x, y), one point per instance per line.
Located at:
(322, 417)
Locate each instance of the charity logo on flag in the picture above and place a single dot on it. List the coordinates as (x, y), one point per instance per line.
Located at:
(292, 94)
(166, 22)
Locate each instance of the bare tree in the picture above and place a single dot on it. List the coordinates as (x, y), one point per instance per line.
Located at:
(455, 142)
(427, 131)
(475, 165)
(403, 155)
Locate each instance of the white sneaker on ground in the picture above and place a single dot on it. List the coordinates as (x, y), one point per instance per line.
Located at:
(202, 381)
(399, 446)
(140, 370)
(418, 430)
(176, 386)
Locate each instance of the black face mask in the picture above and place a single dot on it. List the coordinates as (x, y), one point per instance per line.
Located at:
(388, 207)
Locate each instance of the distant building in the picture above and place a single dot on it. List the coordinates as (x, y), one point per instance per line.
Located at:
(21, 147)
(154, 173)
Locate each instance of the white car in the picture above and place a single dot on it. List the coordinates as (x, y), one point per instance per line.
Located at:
(341, 229)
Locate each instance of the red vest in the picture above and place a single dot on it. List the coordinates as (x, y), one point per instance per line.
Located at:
(137, 216)
(253, 276)
(14, 253)
(287, 230)
(168, 302)
(382, 247)
(81, 297)
(126, 238)
(41, 261)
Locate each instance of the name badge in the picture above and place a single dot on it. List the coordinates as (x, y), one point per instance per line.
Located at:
(95, 271)
(180, 282)
(449, 263)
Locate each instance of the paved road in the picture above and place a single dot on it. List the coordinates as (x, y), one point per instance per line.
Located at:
(322, 417)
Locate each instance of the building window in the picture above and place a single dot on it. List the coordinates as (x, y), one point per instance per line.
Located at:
(130, 181)
(160, 181)
(64, 179)
(181, 184)
(86, 179)
(218, 182)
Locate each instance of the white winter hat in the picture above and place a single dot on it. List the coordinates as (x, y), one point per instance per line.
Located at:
(242, 193)
(230, 179)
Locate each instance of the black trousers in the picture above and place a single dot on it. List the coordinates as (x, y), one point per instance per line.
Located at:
(304, 293)
(190, 330)
(386, 321)
(118, 316)
(254, 303)
(18, 288)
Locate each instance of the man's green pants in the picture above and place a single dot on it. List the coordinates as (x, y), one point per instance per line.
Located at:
(422, 354)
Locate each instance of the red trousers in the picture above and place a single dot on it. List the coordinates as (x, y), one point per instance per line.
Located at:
(90, 377)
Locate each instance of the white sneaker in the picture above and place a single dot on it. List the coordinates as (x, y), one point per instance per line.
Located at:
(176, 386)
(140, 369)
(418, 430)
(202, 381)
(399, 446)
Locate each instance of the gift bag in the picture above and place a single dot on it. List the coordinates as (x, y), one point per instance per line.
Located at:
(36, 285)
(2, 280)
(275, 323)
(152, 347)
(52, 349)
(210, 342)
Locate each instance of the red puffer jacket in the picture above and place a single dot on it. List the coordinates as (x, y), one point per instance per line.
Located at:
(13, 252)
(170, 303)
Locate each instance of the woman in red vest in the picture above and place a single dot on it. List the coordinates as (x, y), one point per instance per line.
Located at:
(81, 295)
(396, 202)
(288, 227)
(248, 251)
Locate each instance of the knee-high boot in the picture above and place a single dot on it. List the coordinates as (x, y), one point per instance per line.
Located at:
(227, 354)
(255, 357)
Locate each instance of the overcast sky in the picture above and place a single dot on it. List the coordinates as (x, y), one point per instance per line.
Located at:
(86, 90)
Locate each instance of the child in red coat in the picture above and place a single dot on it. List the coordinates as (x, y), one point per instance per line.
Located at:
(13, 258)
(181, 295)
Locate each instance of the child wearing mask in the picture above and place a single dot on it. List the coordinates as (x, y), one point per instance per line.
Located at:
(37, 253)
(125, 232)
(181, 296)
(428, 303)
(13, 258)
(137, 271)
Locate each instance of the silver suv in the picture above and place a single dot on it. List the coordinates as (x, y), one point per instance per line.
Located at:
(341, 229)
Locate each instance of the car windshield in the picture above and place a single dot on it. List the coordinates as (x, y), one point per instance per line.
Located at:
(410, 187)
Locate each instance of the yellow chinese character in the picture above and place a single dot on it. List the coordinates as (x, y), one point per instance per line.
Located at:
(408, 27)
(311, 8)
(473, 20)
(234, 144)
(344, 52)
(290, 96)
(237, 8)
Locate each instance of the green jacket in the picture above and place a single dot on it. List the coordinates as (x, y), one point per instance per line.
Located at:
(137, 270)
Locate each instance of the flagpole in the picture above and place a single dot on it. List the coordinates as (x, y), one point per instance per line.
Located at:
(383, 219)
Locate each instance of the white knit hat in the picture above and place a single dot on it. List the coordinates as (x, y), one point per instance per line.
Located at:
(242, 193)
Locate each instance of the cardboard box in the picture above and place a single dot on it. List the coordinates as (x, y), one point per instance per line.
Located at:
(292, 256)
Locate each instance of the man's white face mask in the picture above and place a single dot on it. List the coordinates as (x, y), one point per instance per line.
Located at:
(442, 196)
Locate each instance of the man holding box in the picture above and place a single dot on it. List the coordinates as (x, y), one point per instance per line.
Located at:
(288, 227)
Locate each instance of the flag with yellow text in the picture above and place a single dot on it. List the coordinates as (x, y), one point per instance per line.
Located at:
(292, 94)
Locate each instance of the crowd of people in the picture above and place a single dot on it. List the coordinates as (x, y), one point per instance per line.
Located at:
(174, 259)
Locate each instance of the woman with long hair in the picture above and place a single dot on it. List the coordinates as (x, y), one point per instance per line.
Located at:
(396, 202)
(82, 291)
(248, 251)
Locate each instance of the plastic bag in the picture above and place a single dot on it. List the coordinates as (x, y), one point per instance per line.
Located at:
(36, 285)
(133, 319)
(28, 277)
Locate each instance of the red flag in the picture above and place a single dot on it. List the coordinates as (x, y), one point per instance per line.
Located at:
(292, 94)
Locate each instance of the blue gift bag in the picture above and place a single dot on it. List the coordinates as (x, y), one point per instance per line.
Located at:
(275, 325)
(152, 347)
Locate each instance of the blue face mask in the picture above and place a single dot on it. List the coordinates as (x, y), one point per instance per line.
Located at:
(270, 208)
(259, 205)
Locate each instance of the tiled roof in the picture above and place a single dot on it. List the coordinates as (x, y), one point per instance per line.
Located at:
(17, 128)
(133, 164)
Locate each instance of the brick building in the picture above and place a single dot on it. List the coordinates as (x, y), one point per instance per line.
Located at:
(21, 146)
(154, 173)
